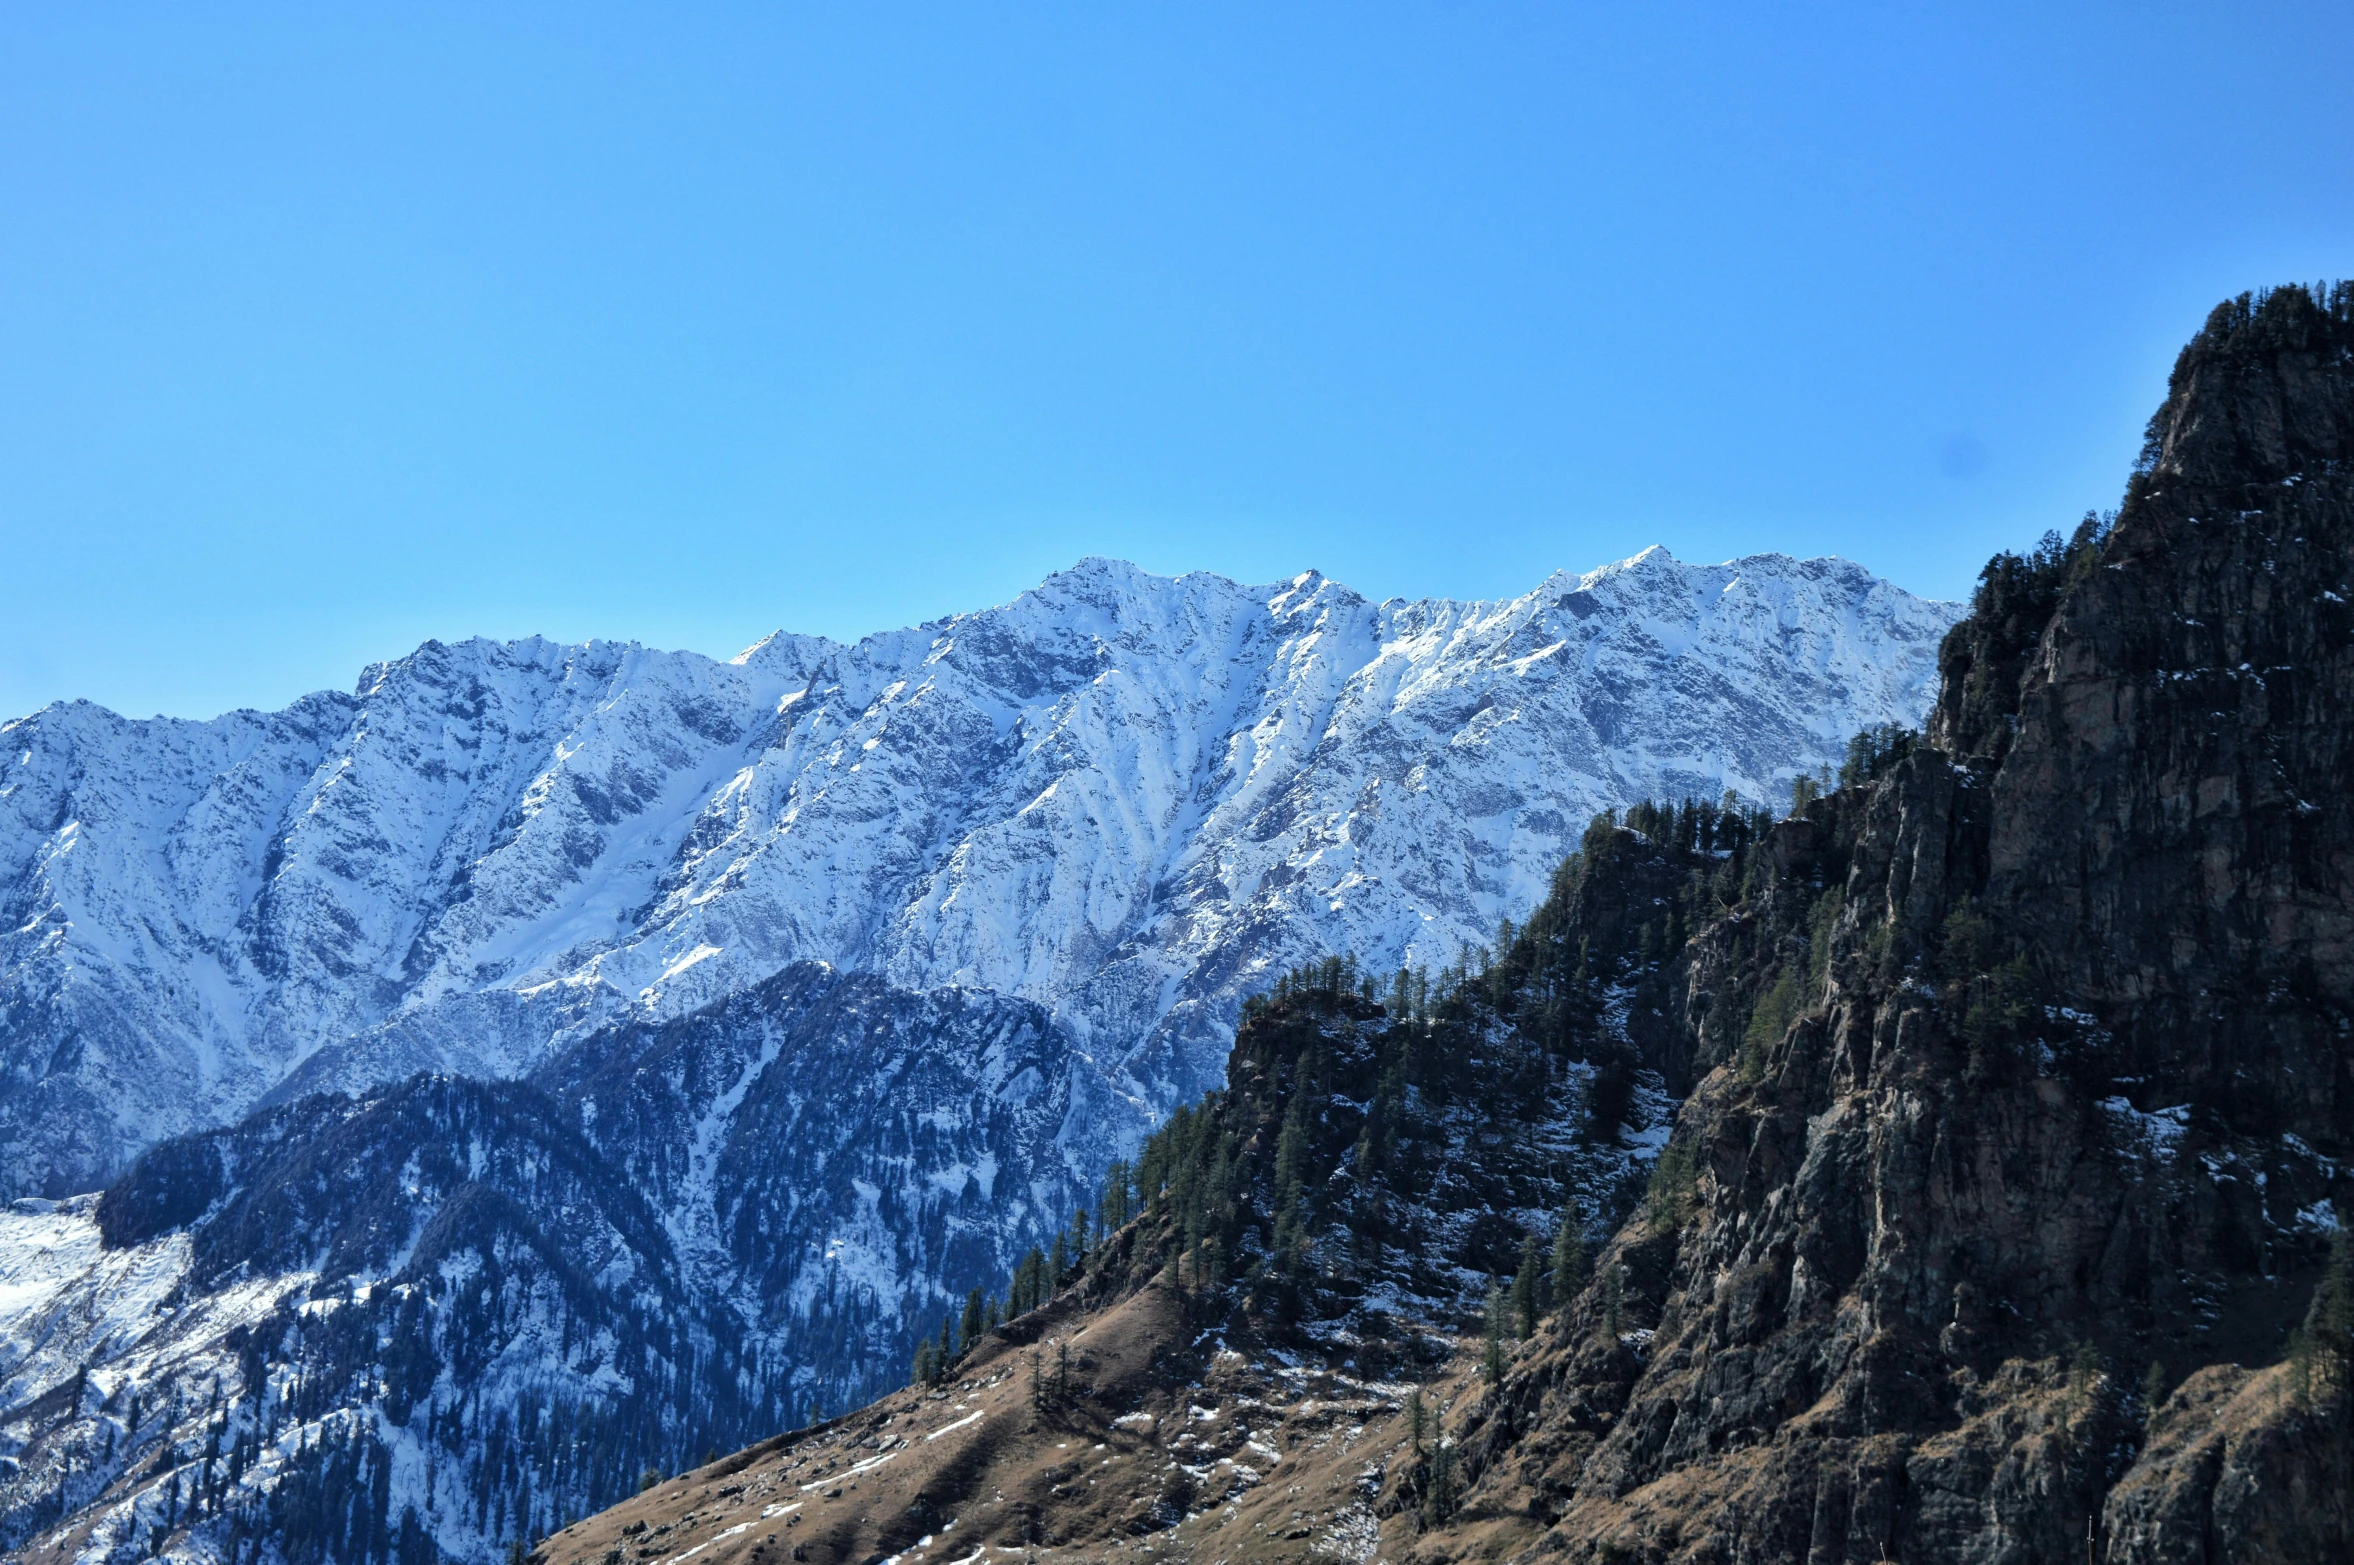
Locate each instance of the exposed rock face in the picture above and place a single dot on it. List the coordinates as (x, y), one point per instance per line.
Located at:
(2075, 1088)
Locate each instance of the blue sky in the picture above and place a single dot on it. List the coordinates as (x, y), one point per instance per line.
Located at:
(324, 330)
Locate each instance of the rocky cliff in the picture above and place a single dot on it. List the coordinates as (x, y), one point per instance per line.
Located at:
(1998, 1255)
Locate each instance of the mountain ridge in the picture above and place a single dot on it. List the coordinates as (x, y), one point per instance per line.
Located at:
(491, 847)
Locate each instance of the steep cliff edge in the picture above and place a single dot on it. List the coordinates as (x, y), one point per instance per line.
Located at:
(2017, 1123)
(2065, 1111)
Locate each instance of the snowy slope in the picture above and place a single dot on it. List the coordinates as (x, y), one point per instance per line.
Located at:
(1122, 797)
(501, 1302)
(437, 1281)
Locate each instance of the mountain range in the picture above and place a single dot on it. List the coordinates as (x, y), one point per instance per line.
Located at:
(616, 1053)
(1124, 797)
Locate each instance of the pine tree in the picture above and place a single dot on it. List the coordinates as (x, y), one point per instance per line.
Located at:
(2084, 1376)
(1291, 1151)
(1524, 1288)
(2153, 1395)
(1115, 1196)
(1441, 1491)
(1569, 1259)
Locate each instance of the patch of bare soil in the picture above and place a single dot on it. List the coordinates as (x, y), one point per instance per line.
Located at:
(1119, 1433)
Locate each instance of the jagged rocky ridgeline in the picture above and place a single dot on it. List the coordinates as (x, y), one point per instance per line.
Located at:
(2003, 1216)
(1129, 799)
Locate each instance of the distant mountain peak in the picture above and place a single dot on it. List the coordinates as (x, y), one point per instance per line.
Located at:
(1121, 795)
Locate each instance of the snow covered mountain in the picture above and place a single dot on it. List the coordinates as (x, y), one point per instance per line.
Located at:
(1122, 797)
(199, 1348)
(710, 1027)
(485, 1306)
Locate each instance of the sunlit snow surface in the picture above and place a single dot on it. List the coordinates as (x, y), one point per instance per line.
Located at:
(1126, 797)
(66, 1304)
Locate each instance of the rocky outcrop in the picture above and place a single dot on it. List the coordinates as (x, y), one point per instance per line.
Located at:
(2067, 1108)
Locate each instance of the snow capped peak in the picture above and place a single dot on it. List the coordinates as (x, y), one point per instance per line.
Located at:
(1122, 796)
(1096, 579)
(1656, 557)
(787, 653)
(1107, 567)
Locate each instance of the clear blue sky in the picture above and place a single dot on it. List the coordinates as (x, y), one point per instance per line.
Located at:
(327, 329)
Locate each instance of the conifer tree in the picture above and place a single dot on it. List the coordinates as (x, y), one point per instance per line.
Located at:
(1291, 1151)
(1524, 1288)
(1440, 1491)
(1115, 1196)
(1569, 1259)
(2153, 1395)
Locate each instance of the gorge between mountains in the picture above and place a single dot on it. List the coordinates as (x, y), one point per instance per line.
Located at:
(1697, 1063)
